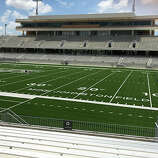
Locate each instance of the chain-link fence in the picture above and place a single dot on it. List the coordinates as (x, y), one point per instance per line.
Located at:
(81, 125)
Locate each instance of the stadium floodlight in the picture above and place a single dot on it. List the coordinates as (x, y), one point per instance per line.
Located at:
(134, 6)
(37, 5)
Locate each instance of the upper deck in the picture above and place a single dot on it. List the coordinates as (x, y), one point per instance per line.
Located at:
(89, 22)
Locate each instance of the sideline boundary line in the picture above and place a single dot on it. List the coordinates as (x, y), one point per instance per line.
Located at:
(31, 97)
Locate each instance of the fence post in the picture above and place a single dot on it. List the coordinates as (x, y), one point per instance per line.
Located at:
(156, 130)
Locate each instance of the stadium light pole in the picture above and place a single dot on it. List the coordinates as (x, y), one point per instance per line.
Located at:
(5, 29)
(134, 6)
(37, 5)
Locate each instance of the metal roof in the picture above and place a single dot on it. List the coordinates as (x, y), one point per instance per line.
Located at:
(83, 16)
(108, 16)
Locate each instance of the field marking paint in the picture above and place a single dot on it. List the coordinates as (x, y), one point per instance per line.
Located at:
(9, 100)
(26, 79)
(12, 77)
(121, 86)
(149, 90)
(17, 105)
(41, 82)
(94, 84)
(78, 66)
(49, 80)
(71, 82)
(31, 97)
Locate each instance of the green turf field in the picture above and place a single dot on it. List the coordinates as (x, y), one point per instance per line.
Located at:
(106, 95)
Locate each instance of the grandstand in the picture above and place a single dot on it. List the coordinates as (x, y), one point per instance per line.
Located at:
(117, 36)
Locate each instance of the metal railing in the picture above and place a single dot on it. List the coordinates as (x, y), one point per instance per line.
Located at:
(81, 125)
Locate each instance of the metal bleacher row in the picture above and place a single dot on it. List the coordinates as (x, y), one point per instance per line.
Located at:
(117, 43)
(125, 43)
(106, 60)
(33, 143)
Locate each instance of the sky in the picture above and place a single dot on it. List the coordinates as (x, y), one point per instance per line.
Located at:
(13, 9)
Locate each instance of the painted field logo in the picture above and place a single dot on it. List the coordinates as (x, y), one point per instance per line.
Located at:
(38, 84)
(91, 89)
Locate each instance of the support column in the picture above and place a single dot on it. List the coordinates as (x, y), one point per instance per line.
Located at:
(150, 32)
(132, 32)
(147, 53)
(36, 33)
(109, 32)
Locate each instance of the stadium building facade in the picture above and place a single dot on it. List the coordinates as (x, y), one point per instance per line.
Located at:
(90, 34)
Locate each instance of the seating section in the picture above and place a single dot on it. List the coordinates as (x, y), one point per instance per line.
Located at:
(106, 60)
(31, 143)
(117, 43)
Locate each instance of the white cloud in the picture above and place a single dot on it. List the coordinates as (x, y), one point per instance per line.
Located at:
(65, 3)
(1, 30)
(17, 15)
(29, 5)
(145, 2)
(121, 4)
(8, 18)
(10, 15)
(5, 16)
(106, 5)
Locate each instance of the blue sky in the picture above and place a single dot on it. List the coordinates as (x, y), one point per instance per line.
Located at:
(12, 9)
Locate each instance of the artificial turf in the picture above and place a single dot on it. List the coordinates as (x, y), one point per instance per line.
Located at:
(115, 85)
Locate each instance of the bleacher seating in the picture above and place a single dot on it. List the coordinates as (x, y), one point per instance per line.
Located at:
(33, 143)
(117, 43)
(106, 60)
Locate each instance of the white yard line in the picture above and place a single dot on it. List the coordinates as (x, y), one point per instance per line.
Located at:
(49, 80)
(151, 105)
(71, 82)
(16, 105)
(121, 86)
(31, 97)
(93, 85)
(9, 100)
(29, 79)
(12, 77)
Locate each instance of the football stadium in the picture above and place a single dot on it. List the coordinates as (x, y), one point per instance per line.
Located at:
(78, 85)
(96, 71)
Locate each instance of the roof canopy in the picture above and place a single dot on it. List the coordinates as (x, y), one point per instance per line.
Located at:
(88, 17)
